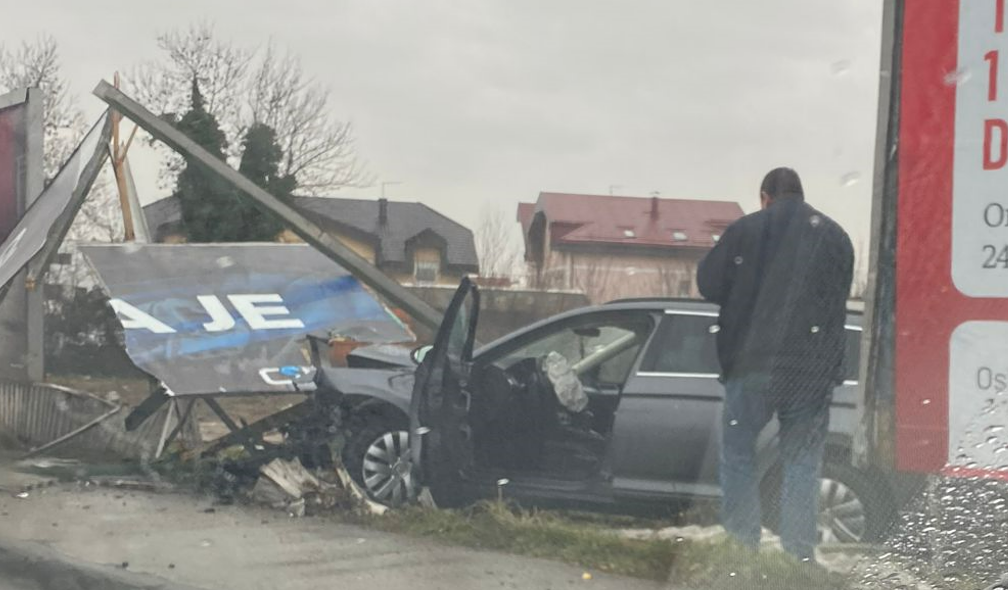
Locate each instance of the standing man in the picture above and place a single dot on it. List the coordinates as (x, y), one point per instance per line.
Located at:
(781, 276)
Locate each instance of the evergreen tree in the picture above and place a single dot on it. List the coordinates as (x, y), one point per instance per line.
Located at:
(260, 163)
(214, 211)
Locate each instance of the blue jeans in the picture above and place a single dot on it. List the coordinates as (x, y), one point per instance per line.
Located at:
(804, 420)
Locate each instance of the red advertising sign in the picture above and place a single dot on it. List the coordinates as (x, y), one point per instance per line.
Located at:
(952, 246)
(12, 153)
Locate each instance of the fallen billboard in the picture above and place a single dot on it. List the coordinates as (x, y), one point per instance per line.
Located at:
(61, 198)
(211, 319)
(13, 143)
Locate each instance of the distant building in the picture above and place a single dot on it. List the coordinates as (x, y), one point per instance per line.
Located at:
(410, 242)
(617, 247)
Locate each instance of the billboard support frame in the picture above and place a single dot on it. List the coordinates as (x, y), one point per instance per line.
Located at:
(34, 184)
(26, 310)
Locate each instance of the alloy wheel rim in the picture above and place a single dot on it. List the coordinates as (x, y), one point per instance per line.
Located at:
(842, 517)
(387, 470)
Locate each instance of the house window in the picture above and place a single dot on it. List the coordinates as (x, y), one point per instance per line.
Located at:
(426, 272)
(679, 236)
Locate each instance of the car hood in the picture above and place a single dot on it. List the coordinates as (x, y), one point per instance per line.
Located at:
(394, 386)
(382, 355)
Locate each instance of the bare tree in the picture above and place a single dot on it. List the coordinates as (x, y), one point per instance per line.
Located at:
(499, 257)
(246, 85)
(36, 64)
(601, 279)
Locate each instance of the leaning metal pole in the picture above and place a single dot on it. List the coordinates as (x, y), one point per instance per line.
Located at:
(306, 229)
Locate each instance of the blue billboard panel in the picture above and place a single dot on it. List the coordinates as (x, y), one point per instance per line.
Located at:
(226, 318)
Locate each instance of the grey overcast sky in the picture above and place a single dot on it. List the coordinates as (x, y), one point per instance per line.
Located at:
(477, 104)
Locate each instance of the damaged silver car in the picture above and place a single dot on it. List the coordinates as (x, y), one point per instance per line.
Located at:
(615, 406)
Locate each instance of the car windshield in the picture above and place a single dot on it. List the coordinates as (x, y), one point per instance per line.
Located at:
(741, 266)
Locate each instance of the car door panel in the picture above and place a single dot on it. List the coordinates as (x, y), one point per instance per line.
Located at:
(667, 429)
(441, 444)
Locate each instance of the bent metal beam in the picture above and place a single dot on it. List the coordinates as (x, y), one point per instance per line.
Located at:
(307, 230)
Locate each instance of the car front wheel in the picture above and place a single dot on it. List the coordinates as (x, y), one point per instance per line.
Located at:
(377, 457)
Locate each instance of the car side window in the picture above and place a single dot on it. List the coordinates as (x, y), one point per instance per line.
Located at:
(684, 344)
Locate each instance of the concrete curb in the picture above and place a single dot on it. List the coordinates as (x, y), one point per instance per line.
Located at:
(38, 566)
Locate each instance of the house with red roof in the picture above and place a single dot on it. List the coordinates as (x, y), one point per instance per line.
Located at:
(613, 247)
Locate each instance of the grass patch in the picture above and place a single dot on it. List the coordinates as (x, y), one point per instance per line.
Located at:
(500, 527)
(496, 526)
(723, 565)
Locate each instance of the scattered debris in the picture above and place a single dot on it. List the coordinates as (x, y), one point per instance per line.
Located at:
(289, 486)
(358, 494)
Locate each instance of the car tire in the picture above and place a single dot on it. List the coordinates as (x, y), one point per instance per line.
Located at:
(371, 436)
(841, 486)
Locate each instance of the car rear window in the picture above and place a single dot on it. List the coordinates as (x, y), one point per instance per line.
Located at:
(683, 344)
(687, 344)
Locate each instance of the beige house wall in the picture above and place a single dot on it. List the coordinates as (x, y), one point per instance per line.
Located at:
(605, 277)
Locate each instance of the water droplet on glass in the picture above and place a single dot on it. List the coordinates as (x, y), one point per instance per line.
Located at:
(732, 575)
(840, 67)
(22, 495)
(926, 402)
(992, 441)
(422, 430)
(958, 77)
(733, 423)
(206, 543)
(714, 329)
(225, 262)
(994, 429)
(738, 260)
(850, 179)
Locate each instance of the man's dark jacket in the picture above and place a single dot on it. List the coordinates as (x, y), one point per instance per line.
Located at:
(781, 276)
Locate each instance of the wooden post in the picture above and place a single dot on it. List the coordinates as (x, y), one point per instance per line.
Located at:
(118, 161)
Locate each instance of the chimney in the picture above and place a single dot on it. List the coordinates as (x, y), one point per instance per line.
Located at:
(382, 211)
(654, 208)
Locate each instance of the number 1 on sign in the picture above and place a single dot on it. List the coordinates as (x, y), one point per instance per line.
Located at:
(992, 58)
(999, 16)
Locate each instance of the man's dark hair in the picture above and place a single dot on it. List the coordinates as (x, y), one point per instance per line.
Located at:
(782, 182)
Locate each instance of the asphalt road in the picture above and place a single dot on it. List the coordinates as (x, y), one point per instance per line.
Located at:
(184, 539)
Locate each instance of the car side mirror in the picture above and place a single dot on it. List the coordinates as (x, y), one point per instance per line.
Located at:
(419, 354)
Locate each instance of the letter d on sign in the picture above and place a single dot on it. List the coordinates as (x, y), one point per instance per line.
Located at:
(990, 126)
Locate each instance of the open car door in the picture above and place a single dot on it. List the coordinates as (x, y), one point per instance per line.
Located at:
(440, 437)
